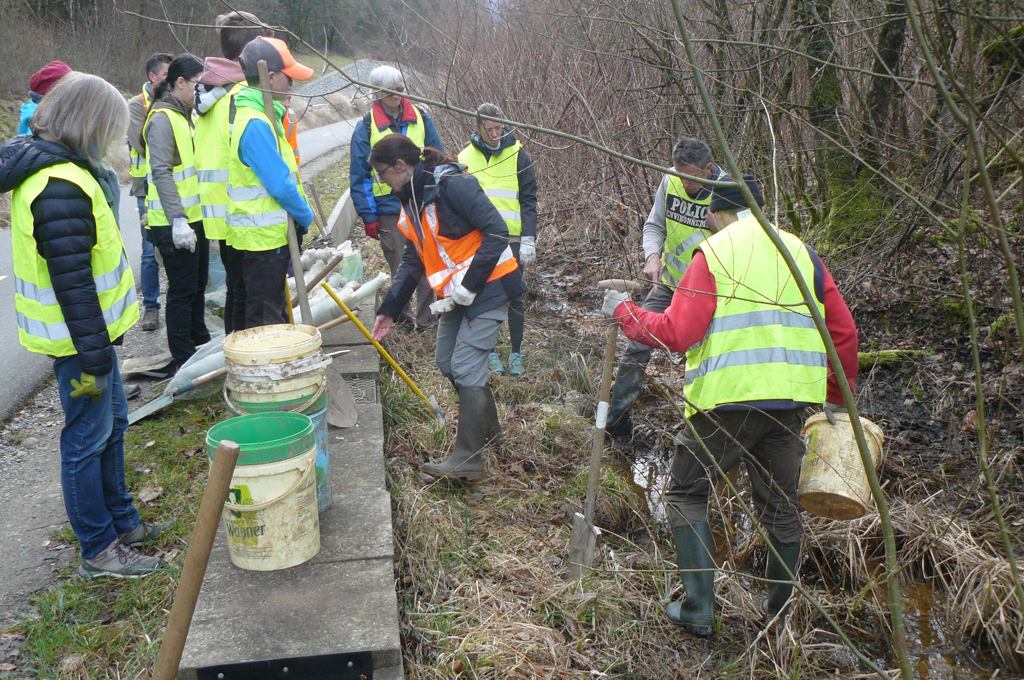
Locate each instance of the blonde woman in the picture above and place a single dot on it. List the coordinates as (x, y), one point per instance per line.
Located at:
(75, 297)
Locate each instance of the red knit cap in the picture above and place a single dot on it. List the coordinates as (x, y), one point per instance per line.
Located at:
(44, 79)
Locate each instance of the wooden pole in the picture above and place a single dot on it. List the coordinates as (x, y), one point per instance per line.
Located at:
(293, 237)
(187, 594)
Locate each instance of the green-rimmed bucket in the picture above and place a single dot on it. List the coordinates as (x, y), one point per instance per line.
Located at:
(270, 516)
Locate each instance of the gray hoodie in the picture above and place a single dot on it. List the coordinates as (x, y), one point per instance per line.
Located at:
(163, 153)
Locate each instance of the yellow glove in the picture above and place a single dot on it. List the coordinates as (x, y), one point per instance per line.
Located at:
(89, 385)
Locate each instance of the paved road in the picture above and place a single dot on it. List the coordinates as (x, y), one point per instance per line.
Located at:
(21, 371)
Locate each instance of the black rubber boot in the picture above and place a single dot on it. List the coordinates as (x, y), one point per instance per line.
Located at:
(478, 427)
(629, 383)
(695, 614)
(778, 593)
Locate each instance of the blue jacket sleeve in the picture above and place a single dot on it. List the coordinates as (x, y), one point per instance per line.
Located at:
(359, 174)
(430, 136)
(27, 109)
(258, 150)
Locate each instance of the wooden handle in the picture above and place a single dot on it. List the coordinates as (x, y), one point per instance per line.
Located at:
(196, 559)
(293, 238)
(319, 209)
(621, 285)
(597, 448)
(321, 275)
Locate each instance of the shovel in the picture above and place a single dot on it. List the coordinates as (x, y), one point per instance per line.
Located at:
(144, 364)
(583, 540)
(341, 405)
(167, 399)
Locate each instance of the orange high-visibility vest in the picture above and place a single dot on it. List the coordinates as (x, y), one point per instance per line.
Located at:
(447, 260)
(291, 133)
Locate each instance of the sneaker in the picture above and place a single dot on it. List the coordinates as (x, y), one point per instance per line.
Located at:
(494, 363)
(131, 391)
(151, 319)
(118, 560)
(146, 531)
(515, 364)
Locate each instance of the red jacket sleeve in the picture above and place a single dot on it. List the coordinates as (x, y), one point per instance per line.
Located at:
(685, 321)
(841, 327)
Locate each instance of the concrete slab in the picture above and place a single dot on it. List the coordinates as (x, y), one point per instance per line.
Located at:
(352, 472)
(308, 610)
(347, 333)
(361, 360)
(351, 529)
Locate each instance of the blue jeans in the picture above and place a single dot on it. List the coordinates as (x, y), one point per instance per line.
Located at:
(92, 459)
(150, 268)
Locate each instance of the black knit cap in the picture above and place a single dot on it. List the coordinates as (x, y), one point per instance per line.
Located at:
(730, 198)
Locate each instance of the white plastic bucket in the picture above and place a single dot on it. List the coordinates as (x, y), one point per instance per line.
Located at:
(833, 482)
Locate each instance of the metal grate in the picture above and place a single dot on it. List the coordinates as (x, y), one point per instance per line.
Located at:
(364, 390)
(344, 666)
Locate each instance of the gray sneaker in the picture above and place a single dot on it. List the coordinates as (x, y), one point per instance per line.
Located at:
(151, 319)
(118, 560)
(146, 531)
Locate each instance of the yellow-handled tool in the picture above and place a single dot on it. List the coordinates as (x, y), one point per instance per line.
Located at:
(384, 353)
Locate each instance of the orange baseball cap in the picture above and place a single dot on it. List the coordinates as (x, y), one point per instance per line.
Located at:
(275, 52)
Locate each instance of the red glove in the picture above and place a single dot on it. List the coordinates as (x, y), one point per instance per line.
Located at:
(372, 229)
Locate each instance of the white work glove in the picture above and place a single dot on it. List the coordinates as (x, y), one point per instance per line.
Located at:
(612, 299)
(443, 305)
(528, 250)
(182, 235)
(463, 296)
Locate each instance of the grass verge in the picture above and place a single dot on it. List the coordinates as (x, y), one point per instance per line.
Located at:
(109, 628)
(330, 184)
(317, 64)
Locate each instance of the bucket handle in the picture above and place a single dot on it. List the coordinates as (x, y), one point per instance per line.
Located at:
(273, 501)
(299, 409)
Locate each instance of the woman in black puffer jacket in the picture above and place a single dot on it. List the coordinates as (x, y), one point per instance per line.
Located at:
(75, 297)
(460, 242)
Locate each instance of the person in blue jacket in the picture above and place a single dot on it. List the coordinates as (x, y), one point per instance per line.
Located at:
(39, 84)
(373, 199)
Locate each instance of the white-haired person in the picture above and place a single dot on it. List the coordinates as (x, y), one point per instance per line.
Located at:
(373, 199)
(75, 298)
(505, 172)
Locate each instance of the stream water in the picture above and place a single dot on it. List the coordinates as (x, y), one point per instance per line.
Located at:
(936, 653)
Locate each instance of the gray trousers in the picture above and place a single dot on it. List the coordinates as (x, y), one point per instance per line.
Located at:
(657, 300)
(463, 344)
(392, 242)
(769, 444)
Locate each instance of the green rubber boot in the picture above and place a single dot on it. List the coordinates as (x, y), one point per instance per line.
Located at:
(629, 384)
(779, 592)
(478, 427)
(695, 614)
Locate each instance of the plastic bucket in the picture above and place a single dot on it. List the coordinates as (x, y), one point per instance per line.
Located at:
(270, 517)
(833, 482)
(323, 459)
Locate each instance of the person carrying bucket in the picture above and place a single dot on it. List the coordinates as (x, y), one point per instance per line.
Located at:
(754, 361)
(459, 241)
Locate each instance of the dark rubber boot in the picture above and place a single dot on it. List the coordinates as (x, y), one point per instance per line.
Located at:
(695, 614)
(778, 593)
(478, 427)
(629, 383)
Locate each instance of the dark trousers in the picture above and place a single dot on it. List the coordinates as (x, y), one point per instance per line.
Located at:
(234, 300)
(768, 442)
(263, 275)
(516, 310)
(392, 243)
(187, 275)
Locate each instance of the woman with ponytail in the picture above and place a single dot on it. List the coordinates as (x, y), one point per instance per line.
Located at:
(175, 219)
(459, 241)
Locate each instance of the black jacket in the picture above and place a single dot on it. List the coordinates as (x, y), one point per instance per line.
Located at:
(462, 207)
(527, 179)
(65, 232)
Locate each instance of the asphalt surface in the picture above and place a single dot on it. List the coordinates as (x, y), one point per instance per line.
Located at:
(21, 371)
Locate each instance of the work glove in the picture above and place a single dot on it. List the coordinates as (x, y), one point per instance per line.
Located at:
(831, 410)
(182, 235)
(372, 229)
(463, 296)
(528, 250)
(612, 300)
(443, 305)
(300, 232)
(89, 386)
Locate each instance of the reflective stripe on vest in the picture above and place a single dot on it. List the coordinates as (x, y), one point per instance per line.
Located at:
(447, 260)
(414, 130)
(761, 343)
(213, 148)
(41, 326)
(684, 230)
(186, 179)
(255, 220)
(138, 165)
(499, 177)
